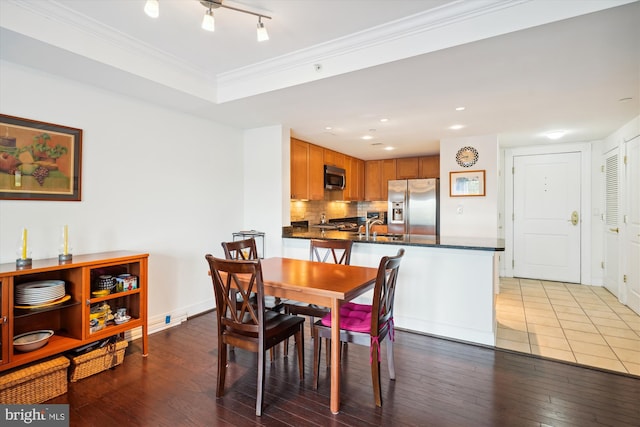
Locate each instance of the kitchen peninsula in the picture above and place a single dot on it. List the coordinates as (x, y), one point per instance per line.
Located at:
(446, 285)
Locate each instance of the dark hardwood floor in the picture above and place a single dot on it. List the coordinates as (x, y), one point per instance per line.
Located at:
(438, 383)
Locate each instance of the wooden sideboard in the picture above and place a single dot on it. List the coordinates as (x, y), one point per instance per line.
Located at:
(70, 319)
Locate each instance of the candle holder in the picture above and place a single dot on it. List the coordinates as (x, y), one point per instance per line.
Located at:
(62, 258)
(23, 262)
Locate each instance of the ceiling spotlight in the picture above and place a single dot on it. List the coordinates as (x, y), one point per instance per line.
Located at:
(367, 137)
(389, 148)
(208, 22)
(262, 31)
(555, 134)
(456, 127)
(459, 108)
(384, 120)
(152, 8)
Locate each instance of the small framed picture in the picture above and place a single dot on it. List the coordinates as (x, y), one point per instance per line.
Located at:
(39, 161)
(466, 183)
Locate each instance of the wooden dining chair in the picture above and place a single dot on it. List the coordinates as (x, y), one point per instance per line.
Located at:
(245, 250)
(334, 251)
(366, 324)
(250, 326)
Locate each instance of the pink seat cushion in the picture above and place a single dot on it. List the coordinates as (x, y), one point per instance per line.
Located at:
(353, 317)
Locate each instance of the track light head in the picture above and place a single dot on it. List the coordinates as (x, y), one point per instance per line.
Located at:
(208, 21)
(152, 8)
(262, 31)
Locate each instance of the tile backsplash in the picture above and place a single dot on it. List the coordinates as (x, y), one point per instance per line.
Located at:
(312, 210)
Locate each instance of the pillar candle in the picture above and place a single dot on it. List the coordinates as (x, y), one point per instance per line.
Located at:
(66, 240)
(24, 243)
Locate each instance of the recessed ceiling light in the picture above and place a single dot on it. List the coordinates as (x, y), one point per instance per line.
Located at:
(389, 148)
(456, 127)
(384, 120)
(367, 137)
(328, 128)
(459, 108)
(556, 134)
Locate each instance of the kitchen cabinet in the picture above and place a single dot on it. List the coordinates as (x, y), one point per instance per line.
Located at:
(354, 190)
(307, 171)
(316, 172)
(70, 319)
(407, 168)
(333, 158)
(429, 167)
(377, 173)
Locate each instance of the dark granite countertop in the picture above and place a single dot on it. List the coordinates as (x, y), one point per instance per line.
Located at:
(473, 243)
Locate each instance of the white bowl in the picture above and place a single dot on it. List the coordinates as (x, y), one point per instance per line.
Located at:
(31, 340)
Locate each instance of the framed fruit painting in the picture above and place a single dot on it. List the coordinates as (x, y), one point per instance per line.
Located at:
(39, 161)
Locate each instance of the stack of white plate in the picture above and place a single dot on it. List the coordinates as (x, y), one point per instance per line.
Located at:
(38, 293)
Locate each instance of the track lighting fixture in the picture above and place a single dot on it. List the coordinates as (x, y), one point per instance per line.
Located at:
(152, 8)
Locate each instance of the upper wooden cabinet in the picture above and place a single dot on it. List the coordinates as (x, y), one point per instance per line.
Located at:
(307, 171)
(408, 168)
(354, 189)
(429, 167)
(333, 158)
(377, 173)
(418, 167)
(316, 172)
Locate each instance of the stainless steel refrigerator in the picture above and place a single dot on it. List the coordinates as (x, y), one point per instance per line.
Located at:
(413, 206)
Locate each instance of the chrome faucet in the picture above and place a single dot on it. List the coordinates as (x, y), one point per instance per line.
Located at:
(371, 221)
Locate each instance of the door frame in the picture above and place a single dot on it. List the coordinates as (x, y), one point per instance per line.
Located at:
(586, 169)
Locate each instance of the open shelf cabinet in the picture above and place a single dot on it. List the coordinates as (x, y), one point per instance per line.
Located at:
(70, 319)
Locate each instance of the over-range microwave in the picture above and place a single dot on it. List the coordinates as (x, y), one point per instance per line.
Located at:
(334, 178)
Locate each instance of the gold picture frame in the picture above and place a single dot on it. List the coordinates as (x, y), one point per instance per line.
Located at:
(467, 183)
(39, 161)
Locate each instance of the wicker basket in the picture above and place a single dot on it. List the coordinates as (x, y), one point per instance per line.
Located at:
(36, 383)
(97, 361)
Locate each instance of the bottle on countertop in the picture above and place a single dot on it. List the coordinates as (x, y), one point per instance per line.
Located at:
(323, 218)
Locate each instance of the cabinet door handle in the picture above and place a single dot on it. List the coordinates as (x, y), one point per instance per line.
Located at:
(615, 230)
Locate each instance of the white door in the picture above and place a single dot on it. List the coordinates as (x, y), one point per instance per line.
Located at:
(631, 237)
(611, 278)
(547, 217)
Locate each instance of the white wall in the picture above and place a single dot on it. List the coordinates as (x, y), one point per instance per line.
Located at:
(479, 214)
(153, 180)
(266, 167)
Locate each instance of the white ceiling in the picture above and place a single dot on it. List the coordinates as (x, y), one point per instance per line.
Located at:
(518, 73)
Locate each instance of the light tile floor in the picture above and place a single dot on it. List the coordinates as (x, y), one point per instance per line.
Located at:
(577, 323)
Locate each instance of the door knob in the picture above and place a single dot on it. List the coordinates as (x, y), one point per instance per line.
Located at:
(615, 230)
(575, 218)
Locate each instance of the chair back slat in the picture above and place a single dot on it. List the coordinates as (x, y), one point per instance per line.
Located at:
(338, 250)
(237, 285)
(240, 249)
(384, 293)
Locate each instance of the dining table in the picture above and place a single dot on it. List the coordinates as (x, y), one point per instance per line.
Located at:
(324, 284)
